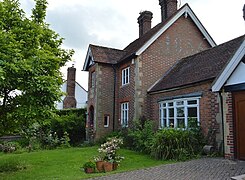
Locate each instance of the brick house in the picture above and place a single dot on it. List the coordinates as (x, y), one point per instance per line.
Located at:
(185, 91)
(159, 76)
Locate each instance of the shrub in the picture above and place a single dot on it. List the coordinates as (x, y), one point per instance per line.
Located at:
(10, 147)
(140, 136)
(67, 127)
(176, 144)
(117, 134)
(72, 121)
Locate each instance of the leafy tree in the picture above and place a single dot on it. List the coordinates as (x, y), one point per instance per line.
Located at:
(30, 61)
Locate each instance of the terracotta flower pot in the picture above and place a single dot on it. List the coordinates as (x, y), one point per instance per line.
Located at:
(89, 170)
(108, 166)
(100, 166)
(115, 165)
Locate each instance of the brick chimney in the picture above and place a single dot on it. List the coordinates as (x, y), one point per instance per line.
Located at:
(70, 100)
(144, 21)
(168, 7)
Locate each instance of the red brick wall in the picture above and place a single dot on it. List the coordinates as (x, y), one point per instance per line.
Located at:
(229, 126)
(101, 98)
(126, 92)
(180, 40)
(105, 89)
(207, 105)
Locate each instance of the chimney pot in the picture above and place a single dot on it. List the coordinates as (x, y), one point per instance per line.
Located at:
(144, 21)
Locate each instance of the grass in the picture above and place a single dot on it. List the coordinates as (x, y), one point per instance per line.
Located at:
(65, 164)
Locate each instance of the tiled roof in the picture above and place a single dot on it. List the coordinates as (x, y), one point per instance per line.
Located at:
(200, 67)
(106, 55)
(138, 43)
(112, 56)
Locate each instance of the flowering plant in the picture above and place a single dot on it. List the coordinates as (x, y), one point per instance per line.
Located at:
(108, 150)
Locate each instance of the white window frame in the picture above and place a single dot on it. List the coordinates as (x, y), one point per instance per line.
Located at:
(125, 76)
(124, 114)
(93, 78)
(164, 105)
(107, 120)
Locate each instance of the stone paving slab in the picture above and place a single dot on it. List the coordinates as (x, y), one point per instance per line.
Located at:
(199, 169)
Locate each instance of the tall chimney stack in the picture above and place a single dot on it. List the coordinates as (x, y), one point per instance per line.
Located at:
(144, 21)
(70, 100)
(168, 7)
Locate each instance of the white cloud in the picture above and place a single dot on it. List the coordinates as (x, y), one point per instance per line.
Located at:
(113, 23)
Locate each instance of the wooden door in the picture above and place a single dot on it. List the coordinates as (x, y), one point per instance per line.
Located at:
(239, 101)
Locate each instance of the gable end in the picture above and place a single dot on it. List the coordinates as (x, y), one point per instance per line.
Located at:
(186, 10)
(229, 69)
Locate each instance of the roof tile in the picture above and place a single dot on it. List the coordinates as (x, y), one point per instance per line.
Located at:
(200, 67)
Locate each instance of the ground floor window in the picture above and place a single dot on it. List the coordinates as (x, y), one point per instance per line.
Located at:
(106, 120)
(179, 113)
(124, 114)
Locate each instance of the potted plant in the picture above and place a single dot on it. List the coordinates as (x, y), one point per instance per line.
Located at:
(89, 167)
(99, 160)
(108, 153)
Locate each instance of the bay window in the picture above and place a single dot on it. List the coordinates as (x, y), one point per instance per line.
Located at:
(177, 113)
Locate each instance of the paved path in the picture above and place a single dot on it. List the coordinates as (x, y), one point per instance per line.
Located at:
(200, 169)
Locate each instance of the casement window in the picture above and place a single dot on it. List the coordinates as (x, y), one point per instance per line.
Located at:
(93, 79)
(124, 114)
(106, 120)
(125, 76)
(177, 113)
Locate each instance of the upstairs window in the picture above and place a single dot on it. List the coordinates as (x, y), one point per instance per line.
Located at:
(179, 113)
(93, 79)
(124, 114)
(125, 76)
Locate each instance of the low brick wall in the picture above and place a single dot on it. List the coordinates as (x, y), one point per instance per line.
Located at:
(10, 138)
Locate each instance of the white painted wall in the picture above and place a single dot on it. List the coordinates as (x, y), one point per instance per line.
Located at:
(80, 95)
(238, 76)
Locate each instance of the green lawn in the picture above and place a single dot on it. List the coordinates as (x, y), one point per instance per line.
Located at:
(67, 163)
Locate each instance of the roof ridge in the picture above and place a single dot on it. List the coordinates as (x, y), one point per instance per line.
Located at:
(99, 46)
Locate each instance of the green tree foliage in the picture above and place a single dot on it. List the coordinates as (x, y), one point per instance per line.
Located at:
(30, 61)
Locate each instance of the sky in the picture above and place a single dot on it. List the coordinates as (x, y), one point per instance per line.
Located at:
(113, 23)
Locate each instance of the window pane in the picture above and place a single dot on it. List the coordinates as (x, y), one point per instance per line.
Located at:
(180, 103)
(164, 113)
(171, 122)
(192, 111)
(192, 122)
(124, 114)
(164, 123)
(180, 112)
(171, 112)
(93, 79)
(170, 104)
(180, 123)
(192, 102)
(106, 121)
(125, 76)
